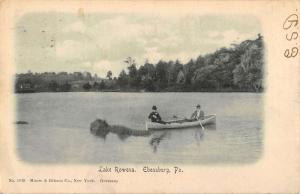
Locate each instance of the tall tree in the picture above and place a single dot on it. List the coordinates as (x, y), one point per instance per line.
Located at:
(248, 74)
(109, 75)
(102, 85)
(123, 79)
(162, 71)
(134, 78)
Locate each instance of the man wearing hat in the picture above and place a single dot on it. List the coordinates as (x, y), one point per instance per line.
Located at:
(154, 116)
(198, 113)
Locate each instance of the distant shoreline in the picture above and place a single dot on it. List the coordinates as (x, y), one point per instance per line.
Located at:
(239, 68)
(259, 92)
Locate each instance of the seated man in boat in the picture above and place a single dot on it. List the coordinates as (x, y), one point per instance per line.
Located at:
(198, 114)
(154, 116)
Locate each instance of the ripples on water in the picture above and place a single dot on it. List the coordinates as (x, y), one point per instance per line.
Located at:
(58, 128)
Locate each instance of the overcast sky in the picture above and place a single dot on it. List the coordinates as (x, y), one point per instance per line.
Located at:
(99, 42)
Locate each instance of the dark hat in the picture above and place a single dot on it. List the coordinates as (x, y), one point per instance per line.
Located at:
(154, 107)
(198, 106)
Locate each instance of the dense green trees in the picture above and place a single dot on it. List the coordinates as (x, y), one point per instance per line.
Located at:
(249, 73)
(65, 87)
(237, 68)
(123, 79)
(87, 86)
(53, 86)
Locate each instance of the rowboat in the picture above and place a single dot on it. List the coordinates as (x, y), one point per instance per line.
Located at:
(183, 123)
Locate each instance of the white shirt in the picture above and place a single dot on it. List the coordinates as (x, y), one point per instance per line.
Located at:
(198, 114)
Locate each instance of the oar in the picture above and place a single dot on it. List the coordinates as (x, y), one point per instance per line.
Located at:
(201, 125)
(178, 118)
(174, 116)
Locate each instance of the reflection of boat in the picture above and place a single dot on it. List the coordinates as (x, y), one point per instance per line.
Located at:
(156, 138)
(183, 123)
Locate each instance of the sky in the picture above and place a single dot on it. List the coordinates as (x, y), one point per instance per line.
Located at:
(99, 42)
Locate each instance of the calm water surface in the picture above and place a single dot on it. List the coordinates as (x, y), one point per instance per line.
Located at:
(58, 129)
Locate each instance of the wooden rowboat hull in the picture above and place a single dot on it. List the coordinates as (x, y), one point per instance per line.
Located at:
(209, 119)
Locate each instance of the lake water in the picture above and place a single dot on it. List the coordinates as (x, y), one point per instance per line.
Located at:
(59, 128)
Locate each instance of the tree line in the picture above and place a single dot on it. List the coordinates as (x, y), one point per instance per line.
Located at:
(236, 68)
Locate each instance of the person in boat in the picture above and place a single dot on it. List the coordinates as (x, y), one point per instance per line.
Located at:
(154, 116)
(198, 114)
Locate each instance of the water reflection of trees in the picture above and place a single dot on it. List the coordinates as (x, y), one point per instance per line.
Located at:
(101, 129)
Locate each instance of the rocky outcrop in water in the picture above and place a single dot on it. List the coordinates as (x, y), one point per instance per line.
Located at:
(21, 122)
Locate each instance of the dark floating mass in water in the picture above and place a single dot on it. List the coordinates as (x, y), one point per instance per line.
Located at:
(21, 123)
(100, 128)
